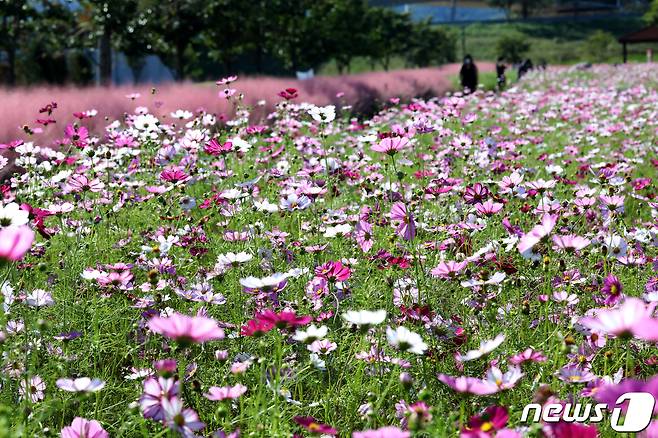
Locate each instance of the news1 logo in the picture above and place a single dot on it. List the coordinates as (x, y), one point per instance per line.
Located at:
(638, 412)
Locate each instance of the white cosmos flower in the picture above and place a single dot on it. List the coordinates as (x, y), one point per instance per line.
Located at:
(405, 340)
(39, 298)
(233, 259)
(325, 114)
(82, 384)
(11, 215)
(312, 333)
(364, 317)
(486, 347)
(266, 206)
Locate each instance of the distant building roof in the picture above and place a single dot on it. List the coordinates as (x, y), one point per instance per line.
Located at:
(646, 35)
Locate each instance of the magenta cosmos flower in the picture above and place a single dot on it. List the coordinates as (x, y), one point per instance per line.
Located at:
(407, 227)
(312, 425)
(15, 242)
(333, 271)
(186, 329)
(282, 320)
(391, 145)
(83, 428)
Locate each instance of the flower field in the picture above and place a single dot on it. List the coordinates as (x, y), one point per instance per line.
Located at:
(427, 272)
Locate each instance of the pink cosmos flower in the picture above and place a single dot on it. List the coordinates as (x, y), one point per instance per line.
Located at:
(631, 318)
(215, 148)
(527, 355)
(476, 194)
(407, 226)
(570, 242)
(186, 329)
(173, 175)
(156, 390)
(15, 242)
(391, 145)
(81, 183)
(488, 207)
(383, 432)
(469, 385)
(612, 290)
(333, 271)
(535, 235)
(363, 235)
(285, 319)
(448, 270)
(83, 428)
(216, 393)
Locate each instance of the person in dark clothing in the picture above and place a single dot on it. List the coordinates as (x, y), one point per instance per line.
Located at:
(500, 73)
(469, 75)
(525, 68)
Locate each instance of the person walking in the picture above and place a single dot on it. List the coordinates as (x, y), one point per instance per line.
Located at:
(469, 75)
(500, 73)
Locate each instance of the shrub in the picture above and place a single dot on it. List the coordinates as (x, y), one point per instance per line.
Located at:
(513, 46)
(600, 46)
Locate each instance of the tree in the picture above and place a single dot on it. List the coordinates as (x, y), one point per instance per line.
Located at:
(175, 25)
(430, 45)
(651, 16)
(512, 47)
(110, 23)
(225, 36)
(16, 16)
(387, 36)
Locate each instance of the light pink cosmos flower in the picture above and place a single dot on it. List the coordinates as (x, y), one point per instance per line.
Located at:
(407, 227)
(186, 329)
(448, 270)
(391, 145)
(469, 385)
(383, 432)
(535, 235)
(81, 384)
(15, 242)
(363, 235)
(488, 207)
(504, 380)
(156, 390)
(81, 183)
(83, 428)
(570, 242)
(183, 420)
(631, 318)
(216, 393)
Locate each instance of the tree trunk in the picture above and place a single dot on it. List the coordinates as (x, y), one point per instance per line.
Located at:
(11, 61)
(105, 55)
(525, 9)
(180, 61)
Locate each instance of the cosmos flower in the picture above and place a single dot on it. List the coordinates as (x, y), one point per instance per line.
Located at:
(363, 236)
(405, 340)
(12, 215)
(83, 428)
(630, 318)
(156, 390)
(364, 318)
(469, 385)
(383, 432)
(313, 426)
(81, 384)
(448, 270)
(15, 242)
(391, 145)
(186, 329)
(407, 226)
(216, 393)
(311, 334)
(486, 347)
(32, 388)
(528, 241)
(184, 421)
(284, 319)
